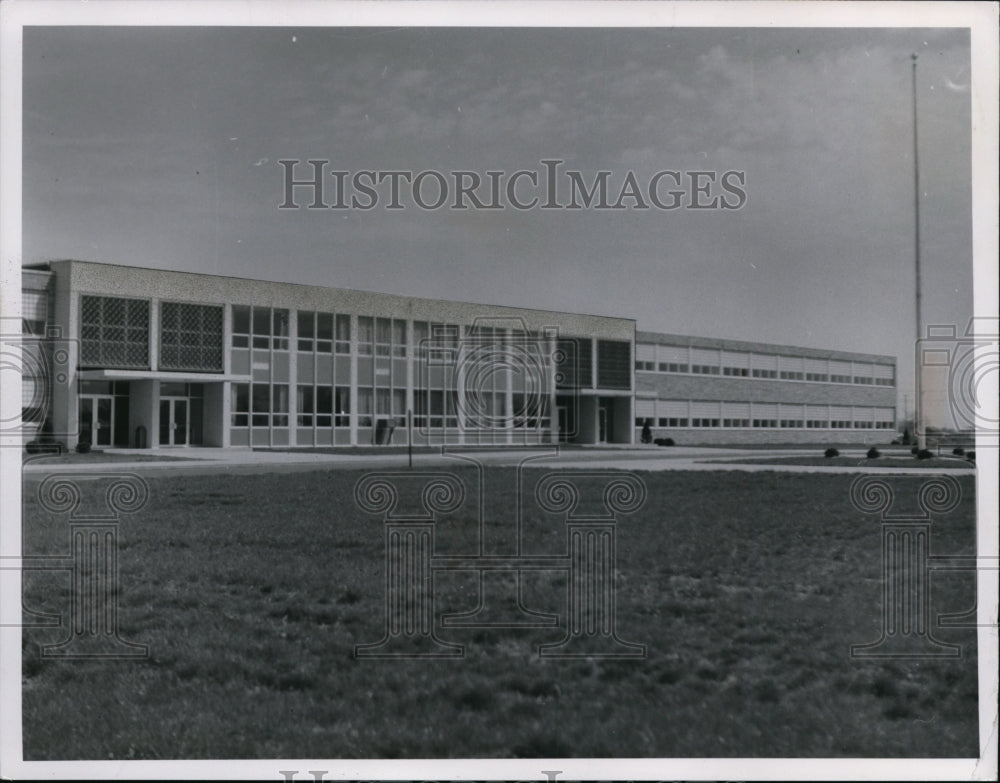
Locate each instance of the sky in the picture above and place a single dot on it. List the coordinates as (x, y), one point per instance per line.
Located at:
(160, 146)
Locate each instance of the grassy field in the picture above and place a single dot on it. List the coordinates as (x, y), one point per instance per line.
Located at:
(747, 589)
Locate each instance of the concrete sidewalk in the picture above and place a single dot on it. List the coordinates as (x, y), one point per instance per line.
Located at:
(198, 461)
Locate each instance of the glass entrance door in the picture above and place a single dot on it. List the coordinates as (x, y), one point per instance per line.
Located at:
(96, 417)
(173, 421)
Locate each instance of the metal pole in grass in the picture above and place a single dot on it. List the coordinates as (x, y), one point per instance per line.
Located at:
(409, 437)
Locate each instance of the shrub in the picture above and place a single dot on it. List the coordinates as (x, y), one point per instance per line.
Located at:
(958, 451)
(914, 451)
(83, 447)
(971, 456)
(44, 446)
(831, 452)
(874, 453)
(924, 454)
(895, 442)
(664, 441)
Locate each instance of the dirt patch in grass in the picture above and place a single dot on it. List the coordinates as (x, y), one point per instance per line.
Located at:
(747, 590)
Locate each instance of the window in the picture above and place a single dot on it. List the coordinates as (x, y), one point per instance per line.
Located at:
(365, 335)
(307, 331)
(261, 327)
(383, 403)
(240, 405)
(673, 367)
(190, 337)
(613, 364)
(342, 403)
(343, 334)
(437, 408)
(305, 402)
(324, 406)
(261, 401)
(399, 338)
(279, 405)
(383, 336)
(280, 332)
(735, 372)
(324, 332)
(114, 332)
(762, 373)
(399, 406)
(817, 376)
(269, 327)
(241, 326)
(420, 407)
(365, 403)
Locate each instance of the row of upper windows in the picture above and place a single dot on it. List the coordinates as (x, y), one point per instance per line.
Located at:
(704, 413)
(115, 332)
(823, 424)
(761, 372)
(321, 332)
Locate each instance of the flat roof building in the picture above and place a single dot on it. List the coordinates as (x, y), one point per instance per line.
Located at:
(145, 358)
(164, 358)
(710, 391)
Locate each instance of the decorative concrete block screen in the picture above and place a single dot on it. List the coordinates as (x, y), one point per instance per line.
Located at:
(191, 337)
(114, 332)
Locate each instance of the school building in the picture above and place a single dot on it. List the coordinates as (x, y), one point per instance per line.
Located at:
(149, 358)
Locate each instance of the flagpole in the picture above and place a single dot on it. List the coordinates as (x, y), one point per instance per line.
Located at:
(918, 407)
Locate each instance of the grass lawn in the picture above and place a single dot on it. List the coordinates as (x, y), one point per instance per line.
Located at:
(748, 590)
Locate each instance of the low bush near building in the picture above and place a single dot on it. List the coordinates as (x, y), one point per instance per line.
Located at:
(83, 447)
(830, 453)
(874, 453)
(958, 451)
(971, 456)
(924, 454)
(43, 446)
(664, 441)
